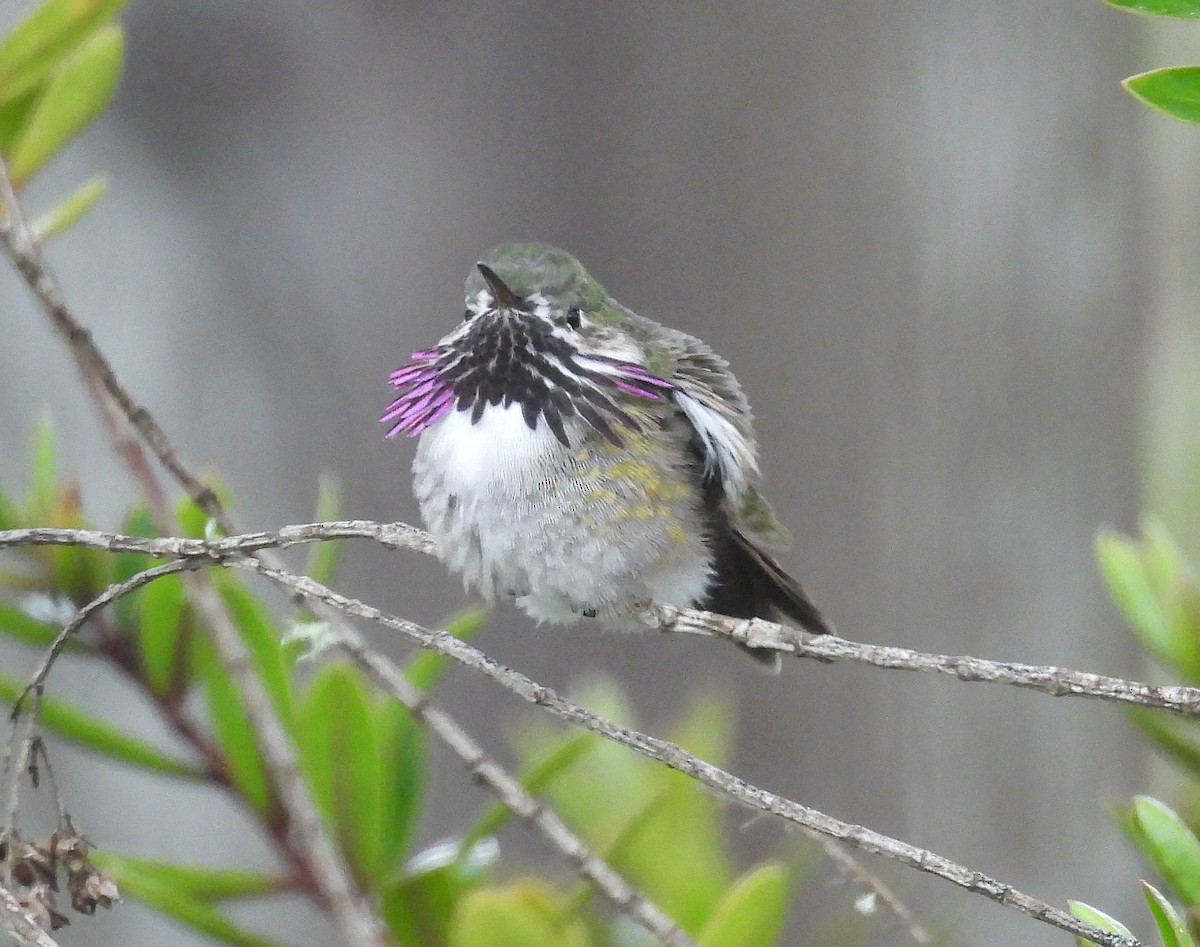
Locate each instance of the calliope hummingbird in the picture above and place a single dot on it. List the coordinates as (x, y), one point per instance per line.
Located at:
(584, 460)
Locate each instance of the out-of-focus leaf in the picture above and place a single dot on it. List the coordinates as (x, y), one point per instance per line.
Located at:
(1170, 846)
(1174, 91)
(1183, 9)
(343, 763)
(426, 668)
(43, 485)
(67, 212)
(261, 636)
(196, 881)
(83, 729)
(402, 749)
(1172, 737)
(37, 45)
(125, 565)
(1144, 581)
(161, 626)
(16, 624)
(10, 517)
(177, 903)
(1171, 927)
(523, 915)
(537, 777)
(77, 93)
(230, 726)
(417, 908)
(323, 558)
(14, 116)
(751, 913)
(1097, 918)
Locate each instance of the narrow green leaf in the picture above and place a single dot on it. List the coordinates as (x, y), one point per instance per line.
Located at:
(426, 668)
(324, 558)
(343, 764)
(74, 98)
(261, 636)
(43, 485)
(81, 728)
(1182, 9)
(1170, 846)
(561, 757)
(1174, 91)
(195, 881)
(513, 917)
(1173, 737)
(160, 628)
(417, 908)
(1097, 918)
(67, 212)
(14, 116)
(751, 913)
(32, 49)
(16, 624)
(177, 903)
(402, 747)
(231, 727)
(10, 517)
(1171, 927)
(125, 565)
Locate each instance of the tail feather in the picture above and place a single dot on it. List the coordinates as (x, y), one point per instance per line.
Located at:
(749, 583)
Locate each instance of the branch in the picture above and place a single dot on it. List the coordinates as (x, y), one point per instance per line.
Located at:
(674, 756)
(20, 924)
(358, 924)
(755, 632)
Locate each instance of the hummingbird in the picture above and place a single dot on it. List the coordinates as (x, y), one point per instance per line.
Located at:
(584, 460)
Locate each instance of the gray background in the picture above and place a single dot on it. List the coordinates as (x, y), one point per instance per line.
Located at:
(915, 229)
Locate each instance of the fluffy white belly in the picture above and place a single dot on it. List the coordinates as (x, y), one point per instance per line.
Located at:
(566, 532)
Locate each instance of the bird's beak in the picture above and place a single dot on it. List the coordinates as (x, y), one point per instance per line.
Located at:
(504, 296)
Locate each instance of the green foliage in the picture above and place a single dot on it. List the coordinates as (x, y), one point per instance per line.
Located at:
(364, 759)
(1156, 589)
(1175, 92)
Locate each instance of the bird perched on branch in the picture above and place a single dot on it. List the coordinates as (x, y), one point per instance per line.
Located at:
(584, 460)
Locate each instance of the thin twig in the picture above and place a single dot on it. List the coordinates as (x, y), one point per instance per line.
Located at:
(20, 923)
(755, 632)
(676, 757)
(350, 909)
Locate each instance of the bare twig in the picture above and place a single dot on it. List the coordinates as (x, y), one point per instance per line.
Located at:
(725, 783)
(755, 632)
(349, 907)
(20, 923)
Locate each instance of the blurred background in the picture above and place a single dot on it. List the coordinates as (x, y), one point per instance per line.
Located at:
(945, 253)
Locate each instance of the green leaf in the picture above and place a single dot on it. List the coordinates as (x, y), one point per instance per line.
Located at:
(67, 212)
(14, 116)
(258, 631)
(324, 557)
(161, 627)
(417, 908)
(231, 727)
(177, 903)
(83, 729)
(1183, 9)
(751, 913)
(1174, 91)
(402, 748)
(10, 517)
(36, 46)
(561, 757)
(125, 565)
(1171, 927)
(341, 758)
(43, 485)
(1144, 584)
(16, 624)
(519, 916)
(1173, 737)
(1097, 918)
(426, 668)
(195, 881)
(75, 96)
(1170, 846)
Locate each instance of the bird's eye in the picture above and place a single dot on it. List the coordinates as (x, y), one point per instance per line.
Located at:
(467, 315)
(574, 315)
